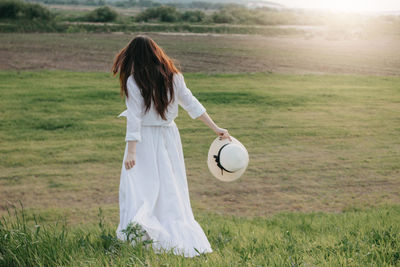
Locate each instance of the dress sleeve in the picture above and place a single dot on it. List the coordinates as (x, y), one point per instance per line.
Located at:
(186, 99)
(133, 113)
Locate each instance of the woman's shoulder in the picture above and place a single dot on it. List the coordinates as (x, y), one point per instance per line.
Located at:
(132, 86)
(177, 79)
(177, 75)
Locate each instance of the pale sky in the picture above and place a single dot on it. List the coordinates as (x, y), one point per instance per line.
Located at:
(344, 5)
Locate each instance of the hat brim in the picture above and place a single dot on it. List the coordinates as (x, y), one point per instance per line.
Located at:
(212, 164)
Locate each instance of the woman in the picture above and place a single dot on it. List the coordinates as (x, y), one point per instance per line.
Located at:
(153, 189)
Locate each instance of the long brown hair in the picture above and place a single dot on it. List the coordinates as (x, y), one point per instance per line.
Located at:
(152, 70)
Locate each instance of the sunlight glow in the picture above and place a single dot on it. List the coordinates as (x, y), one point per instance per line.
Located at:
(347, 5)
(359, 6)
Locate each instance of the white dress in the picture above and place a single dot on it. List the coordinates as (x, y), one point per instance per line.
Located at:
(154, 193)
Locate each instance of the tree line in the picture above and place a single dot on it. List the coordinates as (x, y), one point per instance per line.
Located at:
(228, 14)
(134, 3)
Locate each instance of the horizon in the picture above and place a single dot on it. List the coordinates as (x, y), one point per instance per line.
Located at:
(359, 6)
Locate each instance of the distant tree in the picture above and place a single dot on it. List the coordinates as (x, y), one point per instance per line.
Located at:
(11, 9)
(242, 15)
(160, 13)
(237, 14)
(36, 11)
(15, 9)
(193, 16)
(223, 16)
(102, 14)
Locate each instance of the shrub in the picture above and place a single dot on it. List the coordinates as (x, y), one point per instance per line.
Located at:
(15, 9)
(10, 9)
(160, 13)
(243, 15)
(36, 11)
(223, 16)
(101, 14)
(193, 16)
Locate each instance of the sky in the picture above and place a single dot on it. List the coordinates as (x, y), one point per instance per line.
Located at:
(344, 5)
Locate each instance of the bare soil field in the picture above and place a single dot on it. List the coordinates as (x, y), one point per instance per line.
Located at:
(210, 53)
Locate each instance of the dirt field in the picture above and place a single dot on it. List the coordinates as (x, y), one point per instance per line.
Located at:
(209, 53)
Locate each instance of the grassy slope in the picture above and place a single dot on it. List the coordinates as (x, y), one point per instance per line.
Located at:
(353, 238)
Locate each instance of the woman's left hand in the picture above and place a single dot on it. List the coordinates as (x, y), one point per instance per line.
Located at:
(130, 160)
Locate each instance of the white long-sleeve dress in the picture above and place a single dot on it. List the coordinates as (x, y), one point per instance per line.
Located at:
(154, 193)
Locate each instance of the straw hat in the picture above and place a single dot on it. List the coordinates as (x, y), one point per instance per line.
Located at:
(227, 160)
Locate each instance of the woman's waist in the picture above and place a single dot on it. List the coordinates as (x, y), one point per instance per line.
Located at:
(158, 123)
(151, 119)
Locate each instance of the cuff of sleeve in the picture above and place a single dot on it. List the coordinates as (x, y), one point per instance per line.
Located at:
(123, 114)
(133, 137)
(194, 114)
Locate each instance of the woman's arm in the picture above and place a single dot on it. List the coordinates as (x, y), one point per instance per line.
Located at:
(222, 133)
(130, 160)
(195, 109)
(133, 124)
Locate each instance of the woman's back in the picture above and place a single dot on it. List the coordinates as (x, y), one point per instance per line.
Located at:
(183, 96)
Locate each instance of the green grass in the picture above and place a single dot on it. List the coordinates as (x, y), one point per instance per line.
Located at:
(316, 142)
(353, 238)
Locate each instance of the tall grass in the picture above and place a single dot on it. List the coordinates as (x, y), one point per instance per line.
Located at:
(35, 244)
(353, 238)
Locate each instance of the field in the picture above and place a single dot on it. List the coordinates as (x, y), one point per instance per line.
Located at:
(317, 52)
(316, 142)
(319, 117)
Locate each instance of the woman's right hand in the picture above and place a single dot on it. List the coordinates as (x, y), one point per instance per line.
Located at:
(130, 160)
(223, 134)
